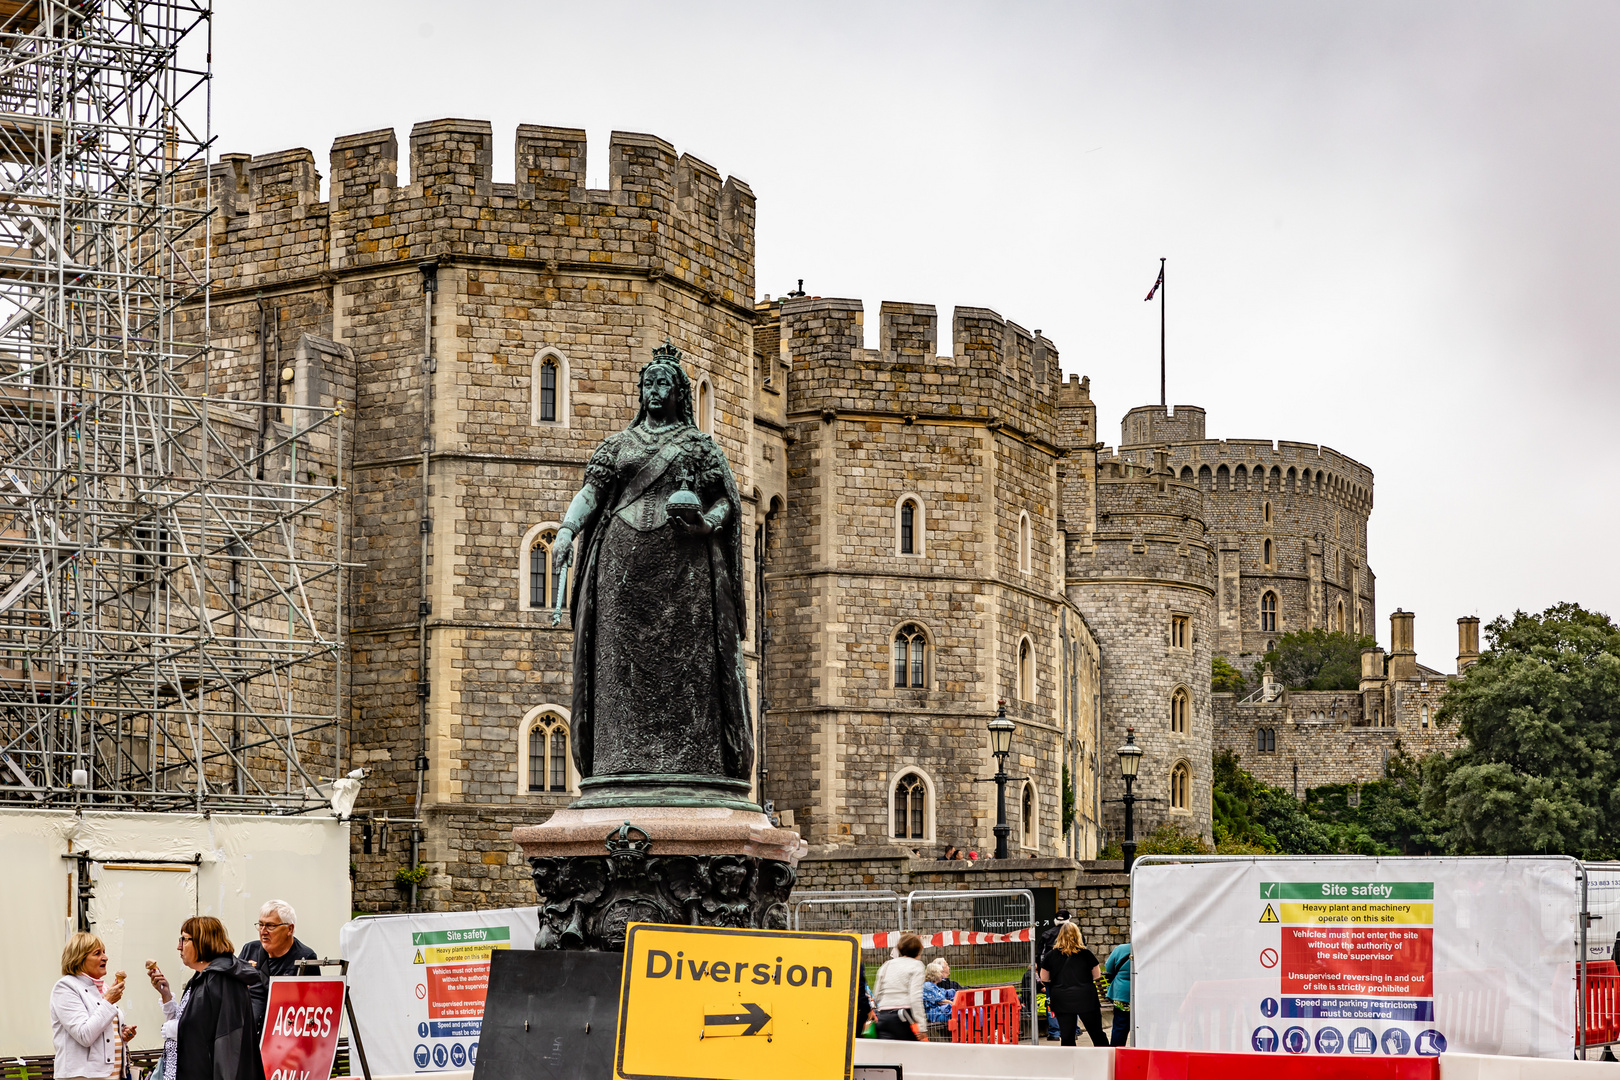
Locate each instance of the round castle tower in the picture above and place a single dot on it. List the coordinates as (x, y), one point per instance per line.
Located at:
(1141, 568)
(1287, 522)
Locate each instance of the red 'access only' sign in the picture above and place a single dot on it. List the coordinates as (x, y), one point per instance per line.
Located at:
(301, 1024)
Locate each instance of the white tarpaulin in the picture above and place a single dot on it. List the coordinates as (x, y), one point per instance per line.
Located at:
(1356, 956)
(149, 873)
(417, 983)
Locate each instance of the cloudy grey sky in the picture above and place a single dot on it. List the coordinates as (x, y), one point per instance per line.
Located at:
(1392, 227)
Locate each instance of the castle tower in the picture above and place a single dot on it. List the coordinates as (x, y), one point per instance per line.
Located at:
(918, 581)
(1141, 568)
(483, 336)
(1288, 524)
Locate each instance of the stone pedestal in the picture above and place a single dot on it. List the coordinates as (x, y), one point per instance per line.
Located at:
(599, 869)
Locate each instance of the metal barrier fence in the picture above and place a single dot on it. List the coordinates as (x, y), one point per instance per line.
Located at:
(961, 919)
(1595, 979)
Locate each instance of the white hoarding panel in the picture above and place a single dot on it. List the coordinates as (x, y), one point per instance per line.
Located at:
(417, 983)
(1356, 956)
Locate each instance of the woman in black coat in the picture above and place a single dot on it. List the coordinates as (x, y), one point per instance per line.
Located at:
(215, 1038)
(1069, 971)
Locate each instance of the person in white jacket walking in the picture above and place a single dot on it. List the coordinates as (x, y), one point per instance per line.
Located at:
(87, 1026)
(899, 994)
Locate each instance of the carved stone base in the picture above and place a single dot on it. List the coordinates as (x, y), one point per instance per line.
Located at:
(598, 870)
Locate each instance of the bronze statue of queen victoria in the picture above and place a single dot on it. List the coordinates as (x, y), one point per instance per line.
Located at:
(660, 710)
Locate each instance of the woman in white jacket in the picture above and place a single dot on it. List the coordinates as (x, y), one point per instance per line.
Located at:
(899, 994)
(86, 1024)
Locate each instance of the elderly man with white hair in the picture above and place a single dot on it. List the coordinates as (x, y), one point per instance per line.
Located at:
(276, 952)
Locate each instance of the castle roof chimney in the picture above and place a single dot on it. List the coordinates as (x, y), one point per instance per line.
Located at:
(1467, 642)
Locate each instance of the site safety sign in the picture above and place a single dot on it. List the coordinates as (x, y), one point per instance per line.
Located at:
(710, 1003)
(301, 1022)
(1389, 957)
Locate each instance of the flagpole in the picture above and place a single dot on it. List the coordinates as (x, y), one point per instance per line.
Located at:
(1162, 402)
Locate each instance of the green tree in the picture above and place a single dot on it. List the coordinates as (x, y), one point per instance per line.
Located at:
(1390, 811)
(1540, 716)
(1226, 679)
(1251, 815)
(1319, 659)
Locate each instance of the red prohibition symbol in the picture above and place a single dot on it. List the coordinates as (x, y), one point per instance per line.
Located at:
(1268, 958)
(421, 991)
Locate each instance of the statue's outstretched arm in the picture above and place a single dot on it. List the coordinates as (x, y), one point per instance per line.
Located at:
(580, 511)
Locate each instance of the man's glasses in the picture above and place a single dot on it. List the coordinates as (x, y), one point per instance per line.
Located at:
(271, 925)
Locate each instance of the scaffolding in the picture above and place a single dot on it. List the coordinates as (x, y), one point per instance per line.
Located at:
(171, 589)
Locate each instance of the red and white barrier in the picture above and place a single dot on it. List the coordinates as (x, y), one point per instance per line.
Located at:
(890, 938)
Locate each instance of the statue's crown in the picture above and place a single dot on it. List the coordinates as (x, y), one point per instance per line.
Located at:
(667, 353)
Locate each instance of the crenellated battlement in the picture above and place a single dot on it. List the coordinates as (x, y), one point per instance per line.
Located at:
(663, 214)
(999, 372)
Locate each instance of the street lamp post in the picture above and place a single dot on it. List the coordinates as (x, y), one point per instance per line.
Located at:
(1130, 759)
(1001, 733)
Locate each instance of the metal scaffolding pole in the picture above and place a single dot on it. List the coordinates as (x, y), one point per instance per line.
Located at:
(171, 594)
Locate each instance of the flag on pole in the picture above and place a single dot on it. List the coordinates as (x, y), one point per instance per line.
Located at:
(1156, 285)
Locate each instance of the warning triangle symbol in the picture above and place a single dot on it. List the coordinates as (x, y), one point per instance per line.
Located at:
(1269, 916)
(418, 959)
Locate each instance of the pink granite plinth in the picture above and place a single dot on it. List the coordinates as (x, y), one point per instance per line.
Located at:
(672, 830)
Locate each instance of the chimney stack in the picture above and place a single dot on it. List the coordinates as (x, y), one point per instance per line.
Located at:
(1402, 654)
(1467, 642)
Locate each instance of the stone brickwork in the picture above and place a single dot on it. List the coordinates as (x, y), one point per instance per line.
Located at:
(1306, 738)
(1045, 570)
(967, 441)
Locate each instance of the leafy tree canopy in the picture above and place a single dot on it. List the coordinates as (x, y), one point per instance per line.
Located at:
(1540, 716)
(1319, 659)
(1226, 679)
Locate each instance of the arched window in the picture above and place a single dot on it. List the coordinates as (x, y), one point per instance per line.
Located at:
(1024, 541)
(1179, 704)
(705, 407)
(549, 375)
(1340, 617)
(1268, 546)
(548, 753)
(1028, 816)
(1265, 740)
(908, 528)
(1180, 785)
(911, 808)
(548, 390)
(1425, 716)
(1026, 671)
(542, 586)
(1268, 612)
(910, 657)
(1267, 515)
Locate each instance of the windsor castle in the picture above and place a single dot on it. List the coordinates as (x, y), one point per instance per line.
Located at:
(932, 534)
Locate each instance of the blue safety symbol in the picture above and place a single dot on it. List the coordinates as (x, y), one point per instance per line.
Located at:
(472, 1053)
(421, 1055)
(458, 1055)
(1362, 1041)
(1264, 1039)
(1268, 1007)
(1430, 1042)
(1296, 1040)
(1396, 1042)
(440, 1055)
(421, 1029)
(1329, 1041)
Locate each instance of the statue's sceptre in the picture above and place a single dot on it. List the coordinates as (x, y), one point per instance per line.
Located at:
(557, 591)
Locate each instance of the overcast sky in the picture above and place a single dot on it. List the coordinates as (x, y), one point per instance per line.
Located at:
(1392, 227)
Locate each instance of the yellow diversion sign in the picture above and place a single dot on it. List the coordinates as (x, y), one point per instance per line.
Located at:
(708, 1003)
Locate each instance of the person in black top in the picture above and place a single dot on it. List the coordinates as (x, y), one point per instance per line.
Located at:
(1069, 971)
(276, 952)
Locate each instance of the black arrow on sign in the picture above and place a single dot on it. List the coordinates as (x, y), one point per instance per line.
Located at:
(755, 1018)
